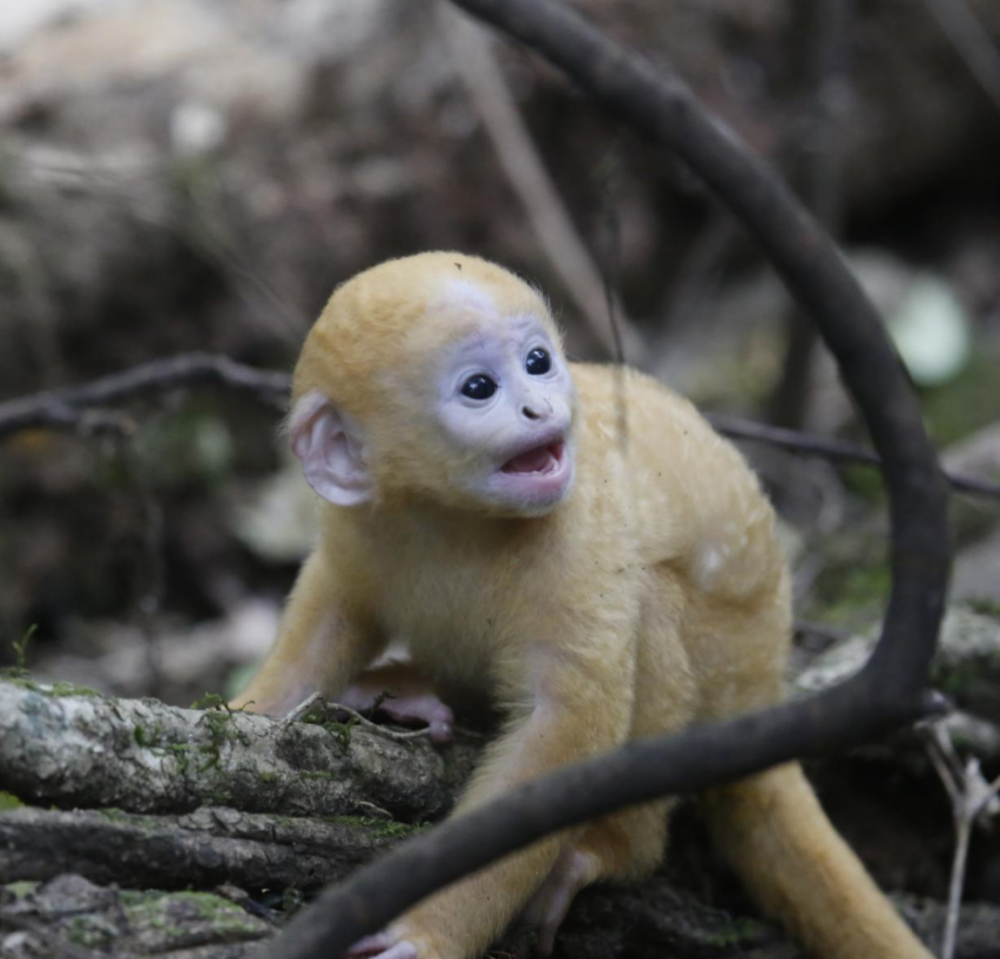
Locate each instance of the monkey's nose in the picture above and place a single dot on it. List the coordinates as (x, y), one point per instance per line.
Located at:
(530, 413)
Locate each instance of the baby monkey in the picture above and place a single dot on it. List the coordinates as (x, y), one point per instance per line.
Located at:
(484, 503)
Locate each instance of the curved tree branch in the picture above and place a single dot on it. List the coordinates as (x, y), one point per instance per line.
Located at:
(888, 692)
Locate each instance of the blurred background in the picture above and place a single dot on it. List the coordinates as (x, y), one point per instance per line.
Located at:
(197, 175)
(181, 175)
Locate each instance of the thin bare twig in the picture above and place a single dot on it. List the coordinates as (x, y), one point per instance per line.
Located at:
(69, 407)
(472, 51)
(831, 449)
(828, 32)
(972, 799)
(317, 703)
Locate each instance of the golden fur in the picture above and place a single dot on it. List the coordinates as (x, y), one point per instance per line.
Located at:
(653, 597)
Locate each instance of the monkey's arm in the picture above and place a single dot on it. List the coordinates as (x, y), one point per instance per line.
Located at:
(321, 646)
(579, 709)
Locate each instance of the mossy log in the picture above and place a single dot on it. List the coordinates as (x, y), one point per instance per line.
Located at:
(71, 747)
(209, 847)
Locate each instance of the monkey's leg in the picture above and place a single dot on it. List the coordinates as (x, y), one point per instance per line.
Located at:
(775, 834)
(629, 844)
(319, 648)
(579, 711)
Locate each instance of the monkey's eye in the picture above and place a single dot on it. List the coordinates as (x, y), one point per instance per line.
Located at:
(538, 362)
(479, 387)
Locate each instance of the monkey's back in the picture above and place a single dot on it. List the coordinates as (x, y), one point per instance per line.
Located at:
(687, 506)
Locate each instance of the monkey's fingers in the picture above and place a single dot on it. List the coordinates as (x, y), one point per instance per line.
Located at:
(383, 945)
(425, 708)
(412, 702)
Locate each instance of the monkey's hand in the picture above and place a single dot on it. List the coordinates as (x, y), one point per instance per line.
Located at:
(400, 692)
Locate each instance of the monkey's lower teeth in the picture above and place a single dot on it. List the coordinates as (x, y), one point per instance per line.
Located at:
(534, 461)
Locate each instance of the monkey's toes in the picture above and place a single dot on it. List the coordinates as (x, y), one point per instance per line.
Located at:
(382, 945)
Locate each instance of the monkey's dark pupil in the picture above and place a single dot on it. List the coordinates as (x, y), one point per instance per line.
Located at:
(479, 387)
(538, 362)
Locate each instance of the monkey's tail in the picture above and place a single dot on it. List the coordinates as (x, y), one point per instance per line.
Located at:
(776, 836)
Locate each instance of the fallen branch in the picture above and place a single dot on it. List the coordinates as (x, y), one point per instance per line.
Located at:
(70, 910)
(206, 848)
(145, 757)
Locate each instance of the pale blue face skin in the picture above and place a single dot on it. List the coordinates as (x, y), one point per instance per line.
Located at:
(505, 391)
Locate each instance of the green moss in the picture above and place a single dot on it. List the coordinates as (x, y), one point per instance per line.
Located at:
(90, 932)
(968, 403)
(193, 447)
(268, 777)
(181, 752)
(209, 701)
(221, 730)
(864, 481)
(21, 647)
(148, 738)
(854, 593)
(132, 897)
(955, 679)
(342, 731)
(737, 931)
(316, 774)
(64, 688)
(9, 801)
(208, 904)
(114, 814)
(22, 679)
(22, 889)
(291, 899)
(985, 606)
(166, 911)
(383, 828)
(131, 819)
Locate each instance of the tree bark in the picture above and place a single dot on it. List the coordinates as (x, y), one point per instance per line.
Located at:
(61, 747)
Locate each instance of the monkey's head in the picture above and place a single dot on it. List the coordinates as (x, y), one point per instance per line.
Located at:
(438, 376)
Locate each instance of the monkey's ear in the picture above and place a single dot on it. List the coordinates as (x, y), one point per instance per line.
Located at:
(331, 450)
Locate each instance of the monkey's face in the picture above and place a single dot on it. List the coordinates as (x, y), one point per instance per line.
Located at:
(475, 412)
(505, 401)
(437, 376)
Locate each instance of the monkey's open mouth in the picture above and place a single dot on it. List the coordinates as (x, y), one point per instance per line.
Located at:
(537, 477)
(539, 459)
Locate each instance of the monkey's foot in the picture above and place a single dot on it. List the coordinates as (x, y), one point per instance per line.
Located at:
(547, 908)
(403, 695)
(383, 945)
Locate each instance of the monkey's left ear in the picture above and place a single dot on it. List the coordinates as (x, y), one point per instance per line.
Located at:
(331, 449)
